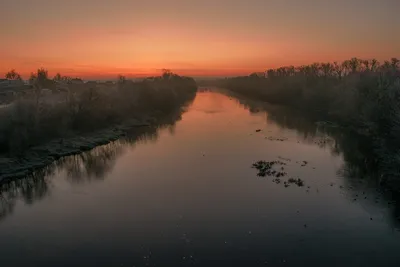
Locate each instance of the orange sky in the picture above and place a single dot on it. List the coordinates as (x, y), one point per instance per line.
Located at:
(100, 39)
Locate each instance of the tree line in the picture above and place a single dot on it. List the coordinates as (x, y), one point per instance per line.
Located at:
(363, 96)
(32, 120)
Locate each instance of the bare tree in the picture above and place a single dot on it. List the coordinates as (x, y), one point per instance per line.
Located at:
(339, 69)
(374, 64)
(121, 79)
(39, 80)
(386, 65)
(167, 74)
(354, 64)
(395, 63)
(13, 75)
(121, 82)
(58, 77)
(327, 69)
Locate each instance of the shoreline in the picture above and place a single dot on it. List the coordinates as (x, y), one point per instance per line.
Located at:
(35, 135)
(40, 156)
(387, 180)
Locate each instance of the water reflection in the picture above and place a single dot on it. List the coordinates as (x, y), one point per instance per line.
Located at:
(193, 198)
(82, 168)
(29, 189)
(359, 173)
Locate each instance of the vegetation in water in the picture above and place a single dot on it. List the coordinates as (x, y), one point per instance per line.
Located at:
(265, 168)
(297, 182)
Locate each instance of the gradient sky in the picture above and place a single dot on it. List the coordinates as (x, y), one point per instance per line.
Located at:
(100, 38)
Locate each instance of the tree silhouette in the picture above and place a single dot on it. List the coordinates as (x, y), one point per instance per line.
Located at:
(374, 64)
(395, 63)
(38, 80)
(13, 75)
(58, 77)
(121, 79)
(167, 74)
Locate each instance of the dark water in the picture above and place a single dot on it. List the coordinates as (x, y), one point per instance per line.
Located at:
(186, 195)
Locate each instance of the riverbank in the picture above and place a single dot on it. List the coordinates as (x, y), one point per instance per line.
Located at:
(354, 145)
(35, 133)
(40, 156)
(360, 96)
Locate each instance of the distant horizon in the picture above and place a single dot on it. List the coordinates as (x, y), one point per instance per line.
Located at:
(206, 74)
(99, 40)
(196, 74)
(115, 78)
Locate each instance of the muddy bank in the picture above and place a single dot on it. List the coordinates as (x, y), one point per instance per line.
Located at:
(40, 156)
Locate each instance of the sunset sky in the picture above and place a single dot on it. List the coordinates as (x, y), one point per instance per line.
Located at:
(100, 39)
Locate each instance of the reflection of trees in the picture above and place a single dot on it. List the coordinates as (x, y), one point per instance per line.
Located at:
(283, 117)
(85, 167)
(91, 165)
(32, 188)
(359, 168)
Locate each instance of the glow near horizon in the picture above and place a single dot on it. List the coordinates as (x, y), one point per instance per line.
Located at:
(93, 39)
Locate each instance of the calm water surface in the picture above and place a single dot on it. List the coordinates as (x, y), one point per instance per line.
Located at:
(186, 195)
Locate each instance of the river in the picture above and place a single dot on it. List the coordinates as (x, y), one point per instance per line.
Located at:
(186, 195)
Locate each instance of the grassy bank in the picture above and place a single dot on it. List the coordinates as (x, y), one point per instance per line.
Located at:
(362, 95)
(33, 131)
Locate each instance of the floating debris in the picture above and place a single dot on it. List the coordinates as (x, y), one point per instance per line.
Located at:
(277, 180)
(258, 130)
(304, 163)
(265, 168)
(297, 182)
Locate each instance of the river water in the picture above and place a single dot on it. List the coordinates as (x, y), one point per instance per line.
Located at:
(186, 195)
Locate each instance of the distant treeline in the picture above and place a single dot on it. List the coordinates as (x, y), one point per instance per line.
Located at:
(362, 95)
(33, 118)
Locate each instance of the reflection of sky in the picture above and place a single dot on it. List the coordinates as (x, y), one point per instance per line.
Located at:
(95, 39)
(193, 193)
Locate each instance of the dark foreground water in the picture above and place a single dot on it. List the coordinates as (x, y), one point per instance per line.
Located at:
(186, 195)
